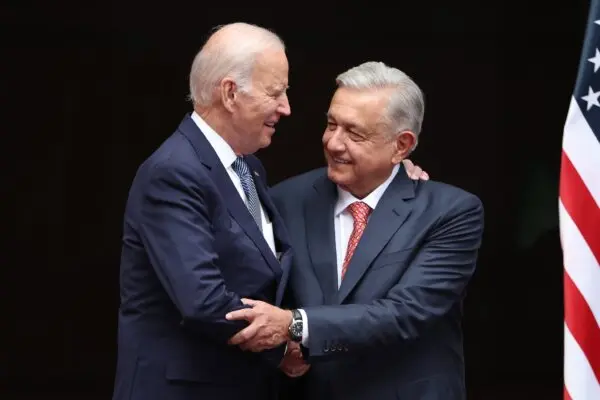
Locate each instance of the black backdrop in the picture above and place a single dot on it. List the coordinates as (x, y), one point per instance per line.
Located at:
(90, 90)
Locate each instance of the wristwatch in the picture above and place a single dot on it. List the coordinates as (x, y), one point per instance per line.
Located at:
(295, 328)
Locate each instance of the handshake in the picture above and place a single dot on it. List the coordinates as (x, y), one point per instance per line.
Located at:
(268, 329)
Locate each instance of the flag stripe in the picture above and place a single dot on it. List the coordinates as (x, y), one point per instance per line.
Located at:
(566, 395)
(583, 149)
(582, 325)
(580, 264)
(580, 380)
(580, 205)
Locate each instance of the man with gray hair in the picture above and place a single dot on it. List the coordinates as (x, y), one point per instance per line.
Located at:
(200, 232)
(381, 262)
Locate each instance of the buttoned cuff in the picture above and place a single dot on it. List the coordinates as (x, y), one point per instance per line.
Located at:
(304, 328)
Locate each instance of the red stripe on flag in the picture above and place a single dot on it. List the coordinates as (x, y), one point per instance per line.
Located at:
(582, 324)
(580, 205)
(566, 395)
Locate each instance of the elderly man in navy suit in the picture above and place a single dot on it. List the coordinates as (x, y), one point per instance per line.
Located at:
(201, 232)
(381, 262)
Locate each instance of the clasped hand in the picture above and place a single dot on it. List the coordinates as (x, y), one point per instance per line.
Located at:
(268, 329)
(268, 326)
(293, 364)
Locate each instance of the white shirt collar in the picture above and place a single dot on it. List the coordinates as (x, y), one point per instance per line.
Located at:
(221, 147)
(346, 198)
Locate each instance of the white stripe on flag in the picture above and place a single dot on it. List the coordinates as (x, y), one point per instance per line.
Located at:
(580, 380)
(579, 262)
(583, 149)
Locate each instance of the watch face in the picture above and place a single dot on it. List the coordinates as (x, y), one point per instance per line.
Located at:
(296, 329)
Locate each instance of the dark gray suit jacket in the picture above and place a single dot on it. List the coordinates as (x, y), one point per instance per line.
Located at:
(393, 329)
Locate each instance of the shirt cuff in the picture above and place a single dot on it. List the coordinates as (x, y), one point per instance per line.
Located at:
(304, 328)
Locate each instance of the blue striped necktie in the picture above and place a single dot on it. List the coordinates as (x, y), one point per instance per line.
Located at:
(241, 168)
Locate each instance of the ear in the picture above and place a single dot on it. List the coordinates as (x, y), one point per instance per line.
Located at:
(227, 90)
(405, 142)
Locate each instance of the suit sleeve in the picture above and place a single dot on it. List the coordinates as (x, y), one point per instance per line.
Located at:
(432, 285)
(176, 231)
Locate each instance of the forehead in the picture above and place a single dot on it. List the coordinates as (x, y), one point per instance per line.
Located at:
(271, 69)
(359, 107)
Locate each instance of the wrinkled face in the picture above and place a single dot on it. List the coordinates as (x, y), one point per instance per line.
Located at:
(360, 149)
(256, 113)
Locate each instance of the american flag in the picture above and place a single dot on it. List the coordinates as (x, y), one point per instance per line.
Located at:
(579, 212)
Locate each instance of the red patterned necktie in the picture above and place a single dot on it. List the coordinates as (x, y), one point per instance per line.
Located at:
(360, 212)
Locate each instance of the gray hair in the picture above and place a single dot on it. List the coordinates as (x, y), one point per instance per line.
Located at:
(406, 107)
(230, 51)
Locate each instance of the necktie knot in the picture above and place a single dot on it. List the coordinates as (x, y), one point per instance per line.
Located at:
(360, 211)
(240, 167)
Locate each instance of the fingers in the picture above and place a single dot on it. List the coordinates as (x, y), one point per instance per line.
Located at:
(416, 172)
(245, 313)
(253, 346)
(244, 335)
(250, 302)
(295, 371)
(408, 165)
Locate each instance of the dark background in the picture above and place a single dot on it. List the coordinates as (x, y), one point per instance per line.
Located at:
(91, 90)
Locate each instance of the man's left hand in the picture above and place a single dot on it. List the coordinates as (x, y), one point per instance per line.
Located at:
(268, 326)
(414, 171)
(293, 364)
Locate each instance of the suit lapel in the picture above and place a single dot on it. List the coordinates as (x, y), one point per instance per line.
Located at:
(233, 201)
(318, 214)
(280, 234)
(389, 215)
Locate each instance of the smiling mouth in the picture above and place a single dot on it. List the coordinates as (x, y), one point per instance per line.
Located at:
(270, 124)
(340, 161)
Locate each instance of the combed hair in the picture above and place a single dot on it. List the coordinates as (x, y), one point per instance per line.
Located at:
(406, 107)
(233, 56)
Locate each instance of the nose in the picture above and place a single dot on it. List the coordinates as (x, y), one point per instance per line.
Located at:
(333, 141)
(284, 106)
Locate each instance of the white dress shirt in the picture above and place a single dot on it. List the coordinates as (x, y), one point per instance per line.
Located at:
(227, 157)
(343, 224)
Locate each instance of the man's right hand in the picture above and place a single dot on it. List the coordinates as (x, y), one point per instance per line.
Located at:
(293, 364)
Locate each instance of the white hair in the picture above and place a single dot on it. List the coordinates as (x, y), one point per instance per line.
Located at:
(230, 51)
(406, 106)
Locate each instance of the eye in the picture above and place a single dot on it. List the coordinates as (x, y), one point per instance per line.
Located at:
(355, 136)
(278, 93)
(331, 125)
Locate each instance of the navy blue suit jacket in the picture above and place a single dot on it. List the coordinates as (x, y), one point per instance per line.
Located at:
(393, 329)
(190, 251)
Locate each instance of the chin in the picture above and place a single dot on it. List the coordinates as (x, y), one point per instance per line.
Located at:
(335, 176)
(265, 142)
